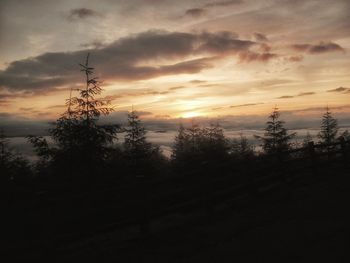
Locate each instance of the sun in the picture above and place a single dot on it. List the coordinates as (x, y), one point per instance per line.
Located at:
(190, 114)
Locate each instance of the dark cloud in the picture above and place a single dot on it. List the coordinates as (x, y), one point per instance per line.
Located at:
(27, 109)
(295, 58)
(246, 105)
(56, 107)
(200, 11)
(322, 47)
(265, 47)
(96, 44)
(122, 60)
(285, 97)
(82, 13)
(299, 95)
(140, 93)
(305, 94)
(217, 108)
(323, 109)
(340, 89)
(209, 85)
(249, 56)
(223, 3)
(195, 12)
(144, 113)
(177, 88)
(197, 81)
(260, 37)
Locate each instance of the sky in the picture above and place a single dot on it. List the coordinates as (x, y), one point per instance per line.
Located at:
(228, 60)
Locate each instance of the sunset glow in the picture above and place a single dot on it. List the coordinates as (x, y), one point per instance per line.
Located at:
(230, 58)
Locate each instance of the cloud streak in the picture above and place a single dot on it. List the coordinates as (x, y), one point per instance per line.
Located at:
(322, 47)
(298, 95)
(195, 12)
(340, 90)
(82, 13)
(250, 56)
(223, 3)
(245, 105)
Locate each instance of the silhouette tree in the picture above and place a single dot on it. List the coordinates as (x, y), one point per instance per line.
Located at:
(180, 143)
(329, 128)
(214, 143)
(141, 156)
(241, 148)
(80, 142)
(135, 143)
(307, 140)
(346, 135)
(276, 138)
(196, 146)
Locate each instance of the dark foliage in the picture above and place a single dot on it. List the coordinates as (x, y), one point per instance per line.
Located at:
(80, 144)
(195, 146)
(13, 167)
(329, 128)
(276, 138)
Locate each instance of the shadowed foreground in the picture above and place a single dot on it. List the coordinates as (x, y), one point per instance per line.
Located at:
(303, 221)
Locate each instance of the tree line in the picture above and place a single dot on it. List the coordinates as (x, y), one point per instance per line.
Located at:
(84, 148)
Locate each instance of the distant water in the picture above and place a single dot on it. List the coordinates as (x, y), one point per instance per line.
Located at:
(164, 139)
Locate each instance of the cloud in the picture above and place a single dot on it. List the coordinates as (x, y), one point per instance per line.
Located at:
(96, 44)
(177, 88)
(265, 48)
(27, 109)
(322, 47)
(200, 11)
(197, 81)
(340, 89)
(295, 58)
(285, 97)
(59, 106)
(249, 56)
(223, 3)
(124, 60)
(323, 109)
(298, 95)
(260, 37)
(195, 12)
(81, 13)
(144, 113)
(246, 105)
(305, 94)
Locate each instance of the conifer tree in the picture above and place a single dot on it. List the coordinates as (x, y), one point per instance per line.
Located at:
(276, 138)
(196, 146)
(215, 142)
(78, 138)
(307, 140)
(346, 135)
(142, 158)
(180, 143)
(135, 143)
(241, 148)
(329, 128)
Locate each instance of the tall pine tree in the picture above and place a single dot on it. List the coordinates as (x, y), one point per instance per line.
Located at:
(80, 144)
(329, 128)
(135, 143)
(276, 138)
